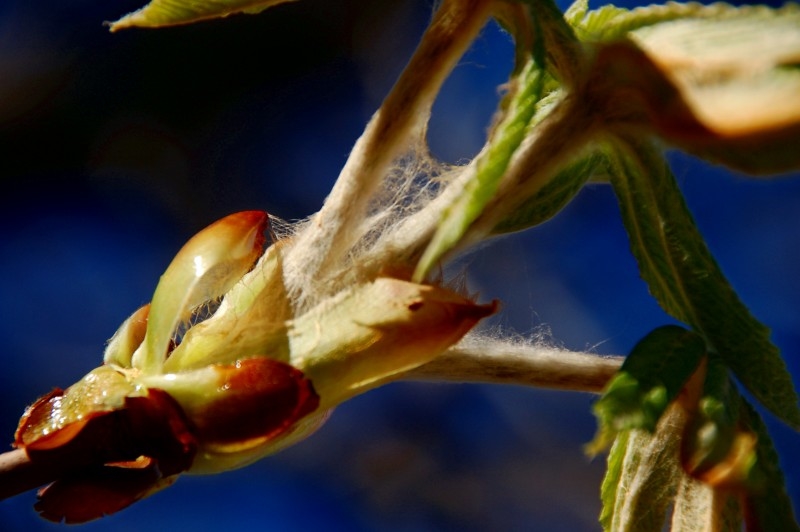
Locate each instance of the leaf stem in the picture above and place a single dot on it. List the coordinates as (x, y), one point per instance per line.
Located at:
(495, 361)
(402, 115)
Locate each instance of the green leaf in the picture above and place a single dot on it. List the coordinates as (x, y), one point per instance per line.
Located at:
(491, 165)
(547, 49)
(651, 377)
(684, 278)
(554, 195)
(610, 23)
(642, 476)
(159, 13)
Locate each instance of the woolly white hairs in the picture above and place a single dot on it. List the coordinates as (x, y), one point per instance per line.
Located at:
(390, 197)
(529, 363)
(389, 237)
(329, 243)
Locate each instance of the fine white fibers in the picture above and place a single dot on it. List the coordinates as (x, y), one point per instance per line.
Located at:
(531, 362)
(326, 250)
(409, 186)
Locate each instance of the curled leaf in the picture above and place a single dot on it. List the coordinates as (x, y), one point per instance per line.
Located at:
(159, 13)
(206, 267)
(554, 195)
(127, 339)
(726, 88)
(490, 167)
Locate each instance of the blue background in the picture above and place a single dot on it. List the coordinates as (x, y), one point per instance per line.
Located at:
(115, 149)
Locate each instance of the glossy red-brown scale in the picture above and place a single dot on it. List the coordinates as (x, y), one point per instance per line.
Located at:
(262, 399)
(159, 429)
(97, 492)
(153, 426)
(37, 415)
(107, 471)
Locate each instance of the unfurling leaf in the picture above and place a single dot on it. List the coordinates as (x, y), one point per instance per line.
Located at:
(206, 267)
(686, 280)
(160, 13)
(610, 23)
(127, 339)
(554, 195)
(246, 382)
(648, 381)
(490, 167)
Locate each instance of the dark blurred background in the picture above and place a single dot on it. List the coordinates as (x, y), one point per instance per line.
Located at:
(115, 149)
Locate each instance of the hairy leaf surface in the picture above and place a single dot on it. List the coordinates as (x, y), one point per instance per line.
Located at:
(648, 381)
(686, 280)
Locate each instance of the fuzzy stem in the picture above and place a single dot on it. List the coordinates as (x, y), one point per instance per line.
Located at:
(494, 361)
(403, 114)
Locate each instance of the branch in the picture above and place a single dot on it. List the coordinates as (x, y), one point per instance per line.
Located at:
(501, 362)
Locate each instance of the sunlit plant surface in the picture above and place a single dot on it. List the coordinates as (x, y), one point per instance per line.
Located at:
(355, 297)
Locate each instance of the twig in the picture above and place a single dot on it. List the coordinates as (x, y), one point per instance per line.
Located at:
(473, 360)
(19, 474)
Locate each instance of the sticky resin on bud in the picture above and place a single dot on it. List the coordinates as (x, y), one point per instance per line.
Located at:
(115, 457)
(237, 410)
(60, 415)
